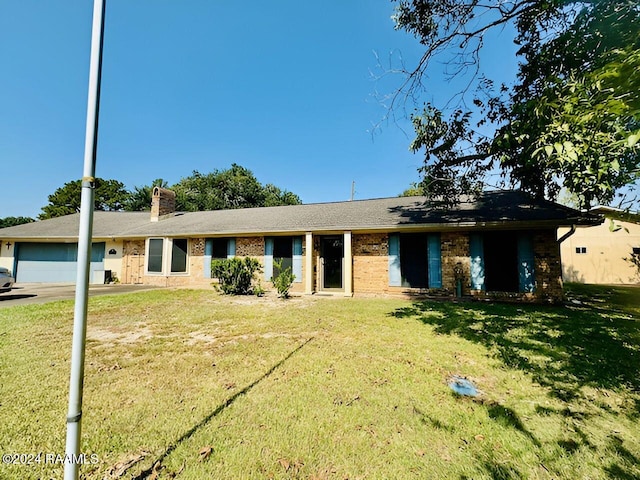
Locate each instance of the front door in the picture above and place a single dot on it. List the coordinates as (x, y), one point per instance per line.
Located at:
(332, 252)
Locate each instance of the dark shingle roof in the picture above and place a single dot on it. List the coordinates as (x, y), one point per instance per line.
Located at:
(492, 209)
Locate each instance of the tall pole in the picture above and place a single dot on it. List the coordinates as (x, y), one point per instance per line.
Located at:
(76, 381)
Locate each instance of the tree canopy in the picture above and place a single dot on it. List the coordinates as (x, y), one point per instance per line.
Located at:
(109, 195)
(140, 198)
(13, 221)
(235, 187)
(572, 117)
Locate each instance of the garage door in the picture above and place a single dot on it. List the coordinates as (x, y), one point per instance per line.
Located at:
(56, 263)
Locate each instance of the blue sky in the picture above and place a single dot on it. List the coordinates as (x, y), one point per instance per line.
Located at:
(284, 88)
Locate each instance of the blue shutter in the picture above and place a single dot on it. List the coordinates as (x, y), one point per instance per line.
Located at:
(526, 263)
(395, 277)
(231, 248)
(208, 253)
(476, 248)
(268, 258)
(435, 260)
(297, 259)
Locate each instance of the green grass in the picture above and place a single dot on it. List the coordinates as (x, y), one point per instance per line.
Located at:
(323, 388)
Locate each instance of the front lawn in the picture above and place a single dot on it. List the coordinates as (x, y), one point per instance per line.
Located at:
(189, 384)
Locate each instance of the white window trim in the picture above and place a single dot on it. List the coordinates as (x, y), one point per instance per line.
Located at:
(167, 248)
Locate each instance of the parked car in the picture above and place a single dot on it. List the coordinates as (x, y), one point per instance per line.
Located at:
(6, 280)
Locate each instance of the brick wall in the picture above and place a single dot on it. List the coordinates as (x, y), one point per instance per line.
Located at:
(250, 247)
(163, 203)
(548, 267)
(455, 256)
(370, 263)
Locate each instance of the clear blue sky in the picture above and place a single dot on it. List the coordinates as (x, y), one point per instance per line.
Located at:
(283, 88)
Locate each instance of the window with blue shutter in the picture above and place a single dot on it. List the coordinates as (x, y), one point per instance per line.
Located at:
(435, 260)
(297, 259)
(526, 263)
(208, 252)
(231, 247)
(268, 258)
(395, 277)
(476, 248)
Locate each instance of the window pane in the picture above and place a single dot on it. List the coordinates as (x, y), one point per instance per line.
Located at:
(155, 255)
(414, 264)
(219, 248)
(282, 252)
(179, 255)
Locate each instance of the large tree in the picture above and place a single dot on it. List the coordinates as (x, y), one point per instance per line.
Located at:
(140, 198)
(572, 117)
(235, 187)
(109, 195)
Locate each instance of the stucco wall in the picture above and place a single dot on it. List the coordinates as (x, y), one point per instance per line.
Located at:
(603, 261)
(7, 253)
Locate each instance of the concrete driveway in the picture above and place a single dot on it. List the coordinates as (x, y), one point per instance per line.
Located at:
(29, 293)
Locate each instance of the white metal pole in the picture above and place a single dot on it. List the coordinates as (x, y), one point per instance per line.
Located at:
(76, 381)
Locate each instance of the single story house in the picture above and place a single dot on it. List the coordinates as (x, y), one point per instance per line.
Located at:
(601, 253)
(502, 243)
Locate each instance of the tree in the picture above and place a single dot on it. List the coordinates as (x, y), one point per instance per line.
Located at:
(274, 196)
(236, 187)
(109, 195)
(140, 199)
(13, 221)
(572, 118)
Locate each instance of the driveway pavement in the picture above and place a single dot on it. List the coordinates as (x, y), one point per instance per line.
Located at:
(28, 293)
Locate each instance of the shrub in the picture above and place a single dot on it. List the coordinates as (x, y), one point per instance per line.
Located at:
(283, 281)
(235, 275)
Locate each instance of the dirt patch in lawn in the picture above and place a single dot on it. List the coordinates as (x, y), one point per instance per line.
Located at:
(110, 338)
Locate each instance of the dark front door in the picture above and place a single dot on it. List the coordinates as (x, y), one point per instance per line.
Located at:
(332, 249)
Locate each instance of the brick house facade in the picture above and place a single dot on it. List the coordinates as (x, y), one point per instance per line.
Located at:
(500, 245)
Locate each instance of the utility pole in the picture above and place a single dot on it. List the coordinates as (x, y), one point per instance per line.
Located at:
(76, 380)
(353, 189)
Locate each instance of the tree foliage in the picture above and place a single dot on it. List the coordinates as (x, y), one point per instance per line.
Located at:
(140, 198)
(236, 187)
(109, 195)
(572, 118)
(13, 221)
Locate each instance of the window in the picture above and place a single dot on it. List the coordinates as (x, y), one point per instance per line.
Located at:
(581, 250)
(161, 249)
(415, 260)
(287, 250)
(636, 250)
(414, 264)
(156, 247)
(282, 254)
(179, 255)
(219, 248)
(502, 261)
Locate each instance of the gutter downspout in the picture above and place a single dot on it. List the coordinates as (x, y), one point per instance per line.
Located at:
(567, 235)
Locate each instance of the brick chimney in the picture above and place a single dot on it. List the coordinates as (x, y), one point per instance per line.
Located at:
(163, 202)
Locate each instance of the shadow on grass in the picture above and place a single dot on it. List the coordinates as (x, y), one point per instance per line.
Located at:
(591, 343)
(218, 410)
(627, 466)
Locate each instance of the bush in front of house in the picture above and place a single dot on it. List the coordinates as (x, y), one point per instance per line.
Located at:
(235, 275)
(283, 281)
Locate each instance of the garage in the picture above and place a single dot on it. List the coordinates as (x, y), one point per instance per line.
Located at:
(56, 263)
